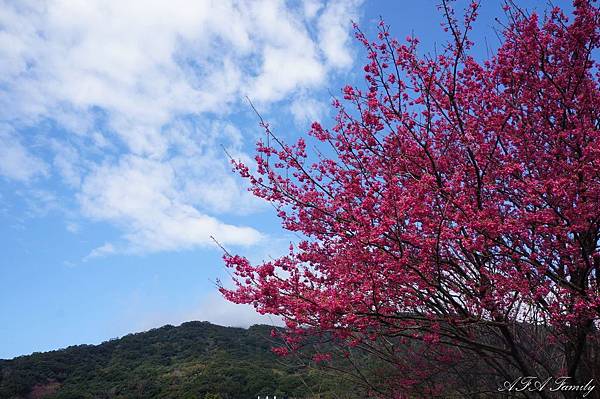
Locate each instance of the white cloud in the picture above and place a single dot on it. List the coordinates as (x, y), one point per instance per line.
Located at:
(41, 202)
(217, 310)
(16, 161)
(73, 227)
(140, 195)
(67, 163)
(139, 90)
(212, 308)
(145, 61)
(103, 250)
(311, 8)
(334, 34)
(290, 57)
(306, 110)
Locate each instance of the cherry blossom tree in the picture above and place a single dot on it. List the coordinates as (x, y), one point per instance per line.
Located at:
(451, 215)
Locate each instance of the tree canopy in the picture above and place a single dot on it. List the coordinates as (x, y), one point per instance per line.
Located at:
(451, 212)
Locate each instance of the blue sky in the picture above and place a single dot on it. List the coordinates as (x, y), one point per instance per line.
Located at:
(113, 119)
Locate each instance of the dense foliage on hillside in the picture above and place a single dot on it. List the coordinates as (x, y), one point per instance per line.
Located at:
(194, 360)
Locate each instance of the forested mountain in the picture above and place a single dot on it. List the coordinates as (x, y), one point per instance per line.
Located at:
(194, 360)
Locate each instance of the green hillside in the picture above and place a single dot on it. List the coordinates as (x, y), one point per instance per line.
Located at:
(194, 360)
